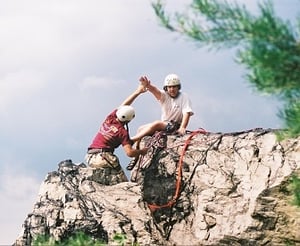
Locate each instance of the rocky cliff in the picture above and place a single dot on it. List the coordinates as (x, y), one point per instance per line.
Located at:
(198, 189)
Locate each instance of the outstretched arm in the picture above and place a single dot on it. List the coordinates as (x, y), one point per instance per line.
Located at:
(152, 88)
(132, 152)
(129, 100)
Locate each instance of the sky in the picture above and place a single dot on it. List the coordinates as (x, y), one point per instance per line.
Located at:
(66, 64)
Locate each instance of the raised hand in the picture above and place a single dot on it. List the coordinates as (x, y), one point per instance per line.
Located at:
(145, 81)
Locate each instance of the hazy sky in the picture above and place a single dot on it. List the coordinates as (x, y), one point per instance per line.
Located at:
(65, 64)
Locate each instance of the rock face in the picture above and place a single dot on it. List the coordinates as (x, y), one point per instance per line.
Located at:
(199, 189)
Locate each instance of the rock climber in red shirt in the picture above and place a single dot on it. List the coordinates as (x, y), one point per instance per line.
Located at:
(112, 133)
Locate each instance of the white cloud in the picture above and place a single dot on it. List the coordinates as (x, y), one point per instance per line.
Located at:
(18, 86)
(94, 82)
(18, 193)
(43, 33)
(15, 185)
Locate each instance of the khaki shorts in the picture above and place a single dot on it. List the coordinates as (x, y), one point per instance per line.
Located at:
(108, 170)
(103, 160)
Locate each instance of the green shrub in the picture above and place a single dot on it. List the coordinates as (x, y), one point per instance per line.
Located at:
(78, 239)
(294, 186)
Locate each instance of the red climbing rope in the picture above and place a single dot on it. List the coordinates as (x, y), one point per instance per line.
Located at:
(170, 203)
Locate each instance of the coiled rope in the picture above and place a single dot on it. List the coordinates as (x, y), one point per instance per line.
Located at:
(154, 207)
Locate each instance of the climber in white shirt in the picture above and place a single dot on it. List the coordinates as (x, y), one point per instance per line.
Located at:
(176, 110)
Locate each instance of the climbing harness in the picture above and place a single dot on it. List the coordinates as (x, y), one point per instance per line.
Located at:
(154, 207)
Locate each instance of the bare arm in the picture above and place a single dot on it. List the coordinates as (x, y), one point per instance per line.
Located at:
(129, 100)
(184, 123)
(131, 152)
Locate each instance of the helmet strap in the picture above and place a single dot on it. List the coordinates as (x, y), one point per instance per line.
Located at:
(126, 126)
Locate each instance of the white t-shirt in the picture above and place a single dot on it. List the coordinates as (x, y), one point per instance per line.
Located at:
(174, 108)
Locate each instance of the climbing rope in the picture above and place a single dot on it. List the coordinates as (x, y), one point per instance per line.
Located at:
(154, 207)
(157, 142)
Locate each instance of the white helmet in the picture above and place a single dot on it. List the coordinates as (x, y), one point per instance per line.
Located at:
(125, 113)
(172, 80)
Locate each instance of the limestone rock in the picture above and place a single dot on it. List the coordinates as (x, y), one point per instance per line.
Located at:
(198, 189)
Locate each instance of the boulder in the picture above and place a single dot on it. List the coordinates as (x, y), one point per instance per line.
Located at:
(198, 189)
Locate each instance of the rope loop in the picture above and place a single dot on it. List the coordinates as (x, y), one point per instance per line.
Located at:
(154, 207)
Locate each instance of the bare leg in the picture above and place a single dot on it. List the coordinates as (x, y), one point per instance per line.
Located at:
(149, 129)
(145, 130)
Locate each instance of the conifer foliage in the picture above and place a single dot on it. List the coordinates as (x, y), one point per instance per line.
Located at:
(268, 46)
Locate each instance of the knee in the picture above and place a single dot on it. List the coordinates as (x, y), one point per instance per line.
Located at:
(158, 125)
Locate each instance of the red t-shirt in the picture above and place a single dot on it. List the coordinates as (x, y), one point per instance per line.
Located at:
(111, 134)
